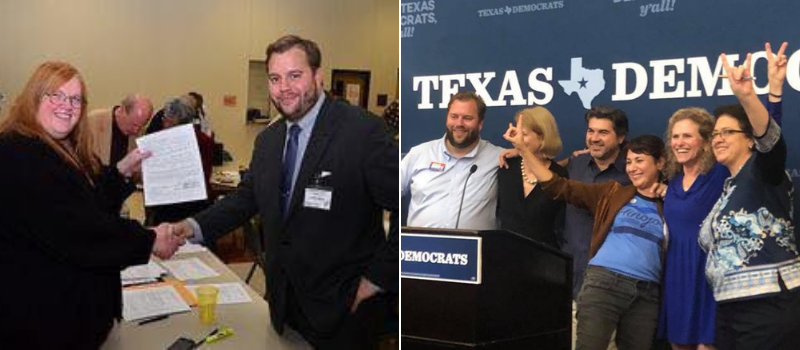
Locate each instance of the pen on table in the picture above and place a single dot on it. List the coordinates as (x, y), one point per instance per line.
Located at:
(153, 319)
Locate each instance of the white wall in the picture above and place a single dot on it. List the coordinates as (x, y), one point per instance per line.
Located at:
(165, 48)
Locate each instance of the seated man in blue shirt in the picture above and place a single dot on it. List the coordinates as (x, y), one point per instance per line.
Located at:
(434, 173)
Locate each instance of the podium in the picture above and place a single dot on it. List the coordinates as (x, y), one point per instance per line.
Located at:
(523, 299)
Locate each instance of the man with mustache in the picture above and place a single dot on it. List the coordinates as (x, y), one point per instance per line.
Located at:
(320, 179)
(433, 174)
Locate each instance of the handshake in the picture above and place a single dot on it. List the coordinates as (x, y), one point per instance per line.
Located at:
(170, 236)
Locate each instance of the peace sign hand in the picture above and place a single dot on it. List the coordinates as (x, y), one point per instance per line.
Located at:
(776, 68)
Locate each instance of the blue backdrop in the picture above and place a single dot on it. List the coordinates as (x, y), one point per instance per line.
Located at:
(647, 57)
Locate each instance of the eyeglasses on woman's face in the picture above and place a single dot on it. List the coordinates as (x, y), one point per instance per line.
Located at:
(60, 98)
(725, 133)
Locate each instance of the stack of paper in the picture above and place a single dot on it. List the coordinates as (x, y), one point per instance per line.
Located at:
(138, 274)
(142, 303)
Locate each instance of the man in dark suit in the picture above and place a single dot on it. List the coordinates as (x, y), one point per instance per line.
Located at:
(319, 179)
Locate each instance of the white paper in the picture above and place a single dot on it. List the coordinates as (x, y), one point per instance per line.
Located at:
(174, 171)
(189, 269)
(190, 248)
(151, 270)
(148, 302)
(229, 293)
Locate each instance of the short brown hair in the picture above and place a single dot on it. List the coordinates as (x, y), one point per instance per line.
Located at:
(469, 96)
(542, 122)
(288, 42)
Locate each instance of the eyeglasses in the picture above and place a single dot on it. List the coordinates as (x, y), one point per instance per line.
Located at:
(58, 98)
(725, 133)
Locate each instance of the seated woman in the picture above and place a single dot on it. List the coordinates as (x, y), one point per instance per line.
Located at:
(179, 112)
(753, 261)
(621, 289)
(522, 206)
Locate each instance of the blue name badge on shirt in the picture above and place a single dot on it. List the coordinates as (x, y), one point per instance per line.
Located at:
(436, 166)
(440, 258)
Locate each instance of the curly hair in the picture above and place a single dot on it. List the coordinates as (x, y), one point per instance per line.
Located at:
(705, 126)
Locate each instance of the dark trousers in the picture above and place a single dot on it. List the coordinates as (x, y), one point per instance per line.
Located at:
(767, 323)
(358, 331)
(610, 301)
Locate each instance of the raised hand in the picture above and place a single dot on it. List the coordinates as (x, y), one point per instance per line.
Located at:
(739, 77)
(132, 163)
(776, 68)
(742, 86)
(167, 243)
(514, 135)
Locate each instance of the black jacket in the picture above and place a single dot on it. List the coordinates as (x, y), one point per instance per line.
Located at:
(322, 254)
(61, 249)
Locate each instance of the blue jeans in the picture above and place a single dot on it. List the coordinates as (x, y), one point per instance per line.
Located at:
(609, 301)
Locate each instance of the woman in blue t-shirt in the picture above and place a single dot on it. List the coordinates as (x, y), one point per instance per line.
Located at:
(621, 288)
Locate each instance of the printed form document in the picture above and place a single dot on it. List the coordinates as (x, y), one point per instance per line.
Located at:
(174, 171)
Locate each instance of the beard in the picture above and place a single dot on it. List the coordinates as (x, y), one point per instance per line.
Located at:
(307, 100)
(471, 137)
(604, 153)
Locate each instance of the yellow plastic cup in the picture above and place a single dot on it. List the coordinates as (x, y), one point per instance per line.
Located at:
(207, 303)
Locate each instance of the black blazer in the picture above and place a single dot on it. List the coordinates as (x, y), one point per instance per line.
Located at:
(61, 249)
(321, 254)
(537, 216)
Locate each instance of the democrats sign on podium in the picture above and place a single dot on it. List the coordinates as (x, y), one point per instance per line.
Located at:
(440, 258)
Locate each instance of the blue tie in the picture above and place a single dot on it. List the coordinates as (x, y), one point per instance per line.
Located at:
(289, 159)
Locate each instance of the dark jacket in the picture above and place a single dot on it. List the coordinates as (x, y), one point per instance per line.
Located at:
(61, 249)
(321, 254)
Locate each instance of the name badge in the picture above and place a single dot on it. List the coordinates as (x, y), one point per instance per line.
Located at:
(318, 197)
(436, 166)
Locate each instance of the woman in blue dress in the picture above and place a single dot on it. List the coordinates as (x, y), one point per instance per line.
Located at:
(696, 179)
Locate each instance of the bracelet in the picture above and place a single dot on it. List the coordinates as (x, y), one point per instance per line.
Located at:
(774, 95)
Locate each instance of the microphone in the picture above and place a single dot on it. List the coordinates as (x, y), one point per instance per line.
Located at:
(471, 171)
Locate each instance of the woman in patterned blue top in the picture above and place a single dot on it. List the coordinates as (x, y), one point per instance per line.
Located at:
(753, 265)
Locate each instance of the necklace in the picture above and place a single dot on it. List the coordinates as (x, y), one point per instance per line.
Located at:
(525, 176)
